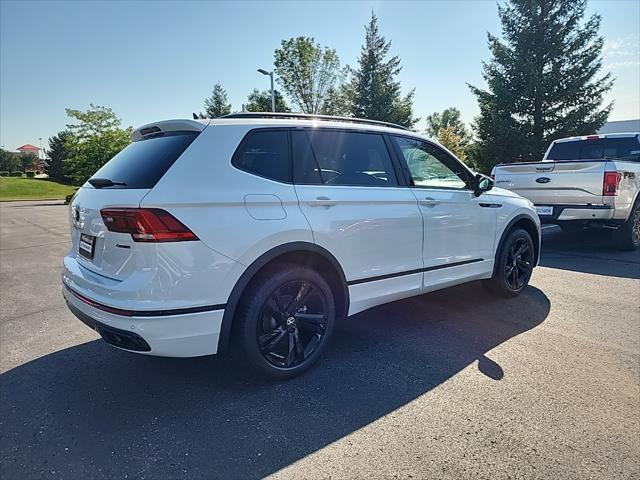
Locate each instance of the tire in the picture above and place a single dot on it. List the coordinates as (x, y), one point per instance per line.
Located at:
(628, 236)
(516, 257)
(284, 321)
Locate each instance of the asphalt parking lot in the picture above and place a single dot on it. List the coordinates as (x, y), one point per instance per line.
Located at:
(454, 384)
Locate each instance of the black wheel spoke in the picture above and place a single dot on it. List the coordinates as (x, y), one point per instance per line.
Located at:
(314, 322)
(272, 309)
(311, 317)
(275, 303)
(299, 347)
(272, 339)
(303, 293)
(524, 265)
(291, 350)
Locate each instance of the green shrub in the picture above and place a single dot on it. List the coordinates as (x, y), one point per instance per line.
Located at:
(4, 173)
(16, 173)
(68, 198)
(30, 173)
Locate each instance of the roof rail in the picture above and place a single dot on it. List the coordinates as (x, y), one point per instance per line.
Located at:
(308, 116)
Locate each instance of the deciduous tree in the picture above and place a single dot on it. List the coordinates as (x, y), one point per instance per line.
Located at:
(306, 71)
(449, 118)
(95, 138)
(260, 101)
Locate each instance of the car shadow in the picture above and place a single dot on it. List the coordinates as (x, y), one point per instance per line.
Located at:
(589, 251)
(91, 411)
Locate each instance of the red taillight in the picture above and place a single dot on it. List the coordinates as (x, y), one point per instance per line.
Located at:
(146, 224)
(611, 184)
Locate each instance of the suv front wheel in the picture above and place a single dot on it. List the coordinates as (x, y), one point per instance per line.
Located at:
(514, 264)
(285, 321)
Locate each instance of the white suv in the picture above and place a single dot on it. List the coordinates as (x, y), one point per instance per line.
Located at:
(260, 230)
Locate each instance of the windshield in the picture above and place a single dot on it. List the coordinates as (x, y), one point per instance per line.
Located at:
(627, 148)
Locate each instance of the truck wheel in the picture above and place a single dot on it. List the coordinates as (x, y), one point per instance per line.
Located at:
(285, 321)
(514, 264)
(628, 236)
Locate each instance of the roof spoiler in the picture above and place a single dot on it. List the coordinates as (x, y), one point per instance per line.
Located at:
(156, 128)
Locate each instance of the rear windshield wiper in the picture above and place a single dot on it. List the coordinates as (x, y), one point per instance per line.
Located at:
(104, 182)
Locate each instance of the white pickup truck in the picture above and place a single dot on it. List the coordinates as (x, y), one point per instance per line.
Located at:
(590, 181)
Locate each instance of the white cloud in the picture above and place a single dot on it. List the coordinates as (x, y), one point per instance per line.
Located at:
(622, 52)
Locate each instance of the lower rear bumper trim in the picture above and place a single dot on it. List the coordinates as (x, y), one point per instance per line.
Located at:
(113, 336)
(143, 313)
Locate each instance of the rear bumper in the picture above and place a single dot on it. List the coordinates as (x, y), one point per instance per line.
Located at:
(565, 213)
(165, 335)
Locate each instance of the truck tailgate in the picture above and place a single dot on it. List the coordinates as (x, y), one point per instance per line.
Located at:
(551, 182)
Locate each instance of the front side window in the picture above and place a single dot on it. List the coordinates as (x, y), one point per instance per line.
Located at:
(325, 157)
(265, 153)
(430, 166)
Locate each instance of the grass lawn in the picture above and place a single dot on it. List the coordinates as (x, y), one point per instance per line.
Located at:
(16, 188)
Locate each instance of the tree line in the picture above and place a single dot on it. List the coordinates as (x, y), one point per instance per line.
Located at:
(544, 81)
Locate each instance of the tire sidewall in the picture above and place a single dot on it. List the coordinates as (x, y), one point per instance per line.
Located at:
(261, 288)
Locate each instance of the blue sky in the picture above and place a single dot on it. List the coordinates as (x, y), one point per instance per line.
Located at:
(156, 60)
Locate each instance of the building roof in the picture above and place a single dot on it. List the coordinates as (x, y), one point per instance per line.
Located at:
(621, 126)
(28, 148)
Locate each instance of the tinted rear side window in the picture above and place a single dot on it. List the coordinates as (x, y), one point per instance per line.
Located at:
(618, 148)
(341, 158)
(141, 164)
(265, 153)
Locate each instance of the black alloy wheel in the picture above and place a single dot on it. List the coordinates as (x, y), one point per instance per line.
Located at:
(284, 320)
(519, 263)
(292, 324)
(514, 264)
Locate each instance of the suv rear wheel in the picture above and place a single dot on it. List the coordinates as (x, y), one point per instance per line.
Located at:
(285, 321)
(514, 264)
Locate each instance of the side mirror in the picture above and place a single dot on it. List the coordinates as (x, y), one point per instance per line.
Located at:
(482, 184)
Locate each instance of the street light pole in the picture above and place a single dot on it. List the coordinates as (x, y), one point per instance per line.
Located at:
(273, 95)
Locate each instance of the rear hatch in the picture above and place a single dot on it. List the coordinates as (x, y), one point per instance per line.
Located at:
(122, 183)
(554, 182)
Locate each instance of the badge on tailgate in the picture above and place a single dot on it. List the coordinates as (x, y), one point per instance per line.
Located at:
(86, 246)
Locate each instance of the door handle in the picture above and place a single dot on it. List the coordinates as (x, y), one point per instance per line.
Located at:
(429, 202)
(322, 202)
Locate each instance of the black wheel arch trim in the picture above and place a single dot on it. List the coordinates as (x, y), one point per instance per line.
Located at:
(256, 266)
(536, 244)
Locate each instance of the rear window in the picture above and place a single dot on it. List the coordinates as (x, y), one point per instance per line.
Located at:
(141, 164)
(614, 148)
(341, 158)
(265, 153)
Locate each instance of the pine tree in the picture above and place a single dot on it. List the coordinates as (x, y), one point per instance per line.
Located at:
(58, 152)
(544, 81)
(376, 92)
(217, 104)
